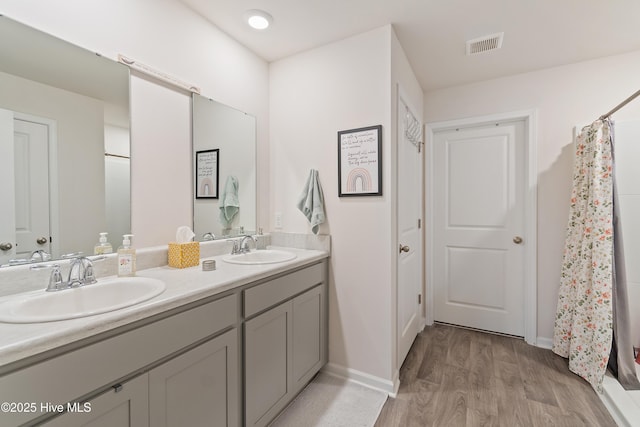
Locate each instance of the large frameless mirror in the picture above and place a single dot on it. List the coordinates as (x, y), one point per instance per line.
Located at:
(64, 146)
(224, 165)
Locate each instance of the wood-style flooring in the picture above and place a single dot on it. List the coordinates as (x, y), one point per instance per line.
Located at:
(458, 377)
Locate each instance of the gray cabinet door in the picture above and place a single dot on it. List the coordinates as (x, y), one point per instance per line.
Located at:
(268, 378)
(126, 407)
(309, 343)
(199, 387)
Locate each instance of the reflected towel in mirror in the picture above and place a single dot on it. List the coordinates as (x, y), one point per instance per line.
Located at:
(311, 201)
(229, 203)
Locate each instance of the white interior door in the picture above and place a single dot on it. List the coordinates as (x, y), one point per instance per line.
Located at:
(7, 188)
(410, 258)
(31, 171)
(478, 243)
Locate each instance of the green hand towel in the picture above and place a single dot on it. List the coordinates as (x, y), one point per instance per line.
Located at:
(229, 203)
(311, 201)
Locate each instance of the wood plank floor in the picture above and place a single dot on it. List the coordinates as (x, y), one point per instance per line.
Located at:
(458, 377)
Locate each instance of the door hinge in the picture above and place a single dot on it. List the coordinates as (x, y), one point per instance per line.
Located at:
(419, 298)
(419, 223)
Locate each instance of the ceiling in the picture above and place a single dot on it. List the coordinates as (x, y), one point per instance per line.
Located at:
(537, 33)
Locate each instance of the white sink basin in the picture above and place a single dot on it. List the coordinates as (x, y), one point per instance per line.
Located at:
(262, 256)
(104, 296)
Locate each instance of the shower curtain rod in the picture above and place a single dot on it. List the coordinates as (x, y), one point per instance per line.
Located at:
(619, 106)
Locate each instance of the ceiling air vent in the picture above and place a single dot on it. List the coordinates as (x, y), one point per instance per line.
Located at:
(484, 44)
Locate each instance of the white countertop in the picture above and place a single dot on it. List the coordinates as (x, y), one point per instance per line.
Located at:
(19, 341)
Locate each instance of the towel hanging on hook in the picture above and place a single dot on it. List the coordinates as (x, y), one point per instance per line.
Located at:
(311, 201)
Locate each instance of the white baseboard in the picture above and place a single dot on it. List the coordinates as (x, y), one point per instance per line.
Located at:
(423, 324)
(619, 403)
(543, 342)
(362, 378)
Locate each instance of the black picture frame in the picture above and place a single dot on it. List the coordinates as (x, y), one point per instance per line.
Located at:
(360, 162)
(207, 171)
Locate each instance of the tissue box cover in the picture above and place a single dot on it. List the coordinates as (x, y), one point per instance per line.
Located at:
(182, 255)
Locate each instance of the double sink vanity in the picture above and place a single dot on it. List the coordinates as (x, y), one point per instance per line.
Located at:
(169, 347)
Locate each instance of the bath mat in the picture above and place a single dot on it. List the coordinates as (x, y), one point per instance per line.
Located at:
(329, 401)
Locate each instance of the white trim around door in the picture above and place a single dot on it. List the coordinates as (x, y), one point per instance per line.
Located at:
(531, 185)
(54, 208)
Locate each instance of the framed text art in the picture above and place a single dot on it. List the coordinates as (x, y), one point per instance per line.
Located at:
(207, 172)
(360, 162)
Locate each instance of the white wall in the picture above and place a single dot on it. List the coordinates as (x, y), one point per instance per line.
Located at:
(168, 36)
(315, 94)
(161, 194)
(564, 97)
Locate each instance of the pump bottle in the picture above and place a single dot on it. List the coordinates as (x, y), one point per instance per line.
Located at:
(103, 246)
(126, 258)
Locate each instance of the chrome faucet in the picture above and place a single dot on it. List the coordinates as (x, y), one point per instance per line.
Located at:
(244, 244)
(40, 255)
(19, 261)
(80, 273)
(241, 246)
(55, 280)
(208, 236)
(36, 256)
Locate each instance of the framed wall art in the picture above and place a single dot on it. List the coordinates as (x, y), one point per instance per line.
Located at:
(207, 173)
(360, 162)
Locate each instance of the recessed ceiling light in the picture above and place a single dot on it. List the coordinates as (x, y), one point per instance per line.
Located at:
(258, 19)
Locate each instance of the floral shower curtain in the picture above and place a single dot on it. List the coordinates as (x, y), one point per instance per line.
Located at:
(584, 317)
(593, 279)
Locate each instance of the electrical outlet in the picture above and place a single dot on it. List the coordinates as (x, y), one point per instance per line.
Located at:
(278, 220)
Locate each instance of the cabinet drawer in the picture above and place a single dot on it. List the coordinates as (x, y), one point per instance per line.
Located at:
(72, 375)
(268, 294)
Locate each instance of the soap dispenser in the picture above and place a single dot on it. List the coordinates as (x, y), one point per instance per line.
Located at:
(126, 258)
(103, 246)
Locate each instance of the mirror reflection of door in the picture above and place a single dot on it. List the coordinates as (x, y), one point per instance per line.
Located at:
(31, 153)
(25, 165)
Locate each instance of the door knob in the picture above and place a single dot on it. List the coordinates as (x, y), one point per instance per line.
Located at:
(517, 240)
(404, 248)
(5, 246)
(41, 240)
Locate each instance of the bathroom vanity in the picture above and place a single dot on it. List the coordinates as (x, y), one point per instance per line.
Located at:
(228, 347)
